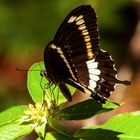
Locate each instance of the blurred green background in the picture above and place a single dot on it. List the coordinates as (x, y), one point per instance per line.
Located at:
(27, 26)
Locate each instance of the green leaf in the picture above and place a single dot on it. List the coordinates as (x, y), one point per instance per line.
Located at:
(123, 127)
(97, 134)
(111, 105)
(13, 131)
(12, 114)
(58, 136)
(56, 126)
(84, 110)
(36, 83)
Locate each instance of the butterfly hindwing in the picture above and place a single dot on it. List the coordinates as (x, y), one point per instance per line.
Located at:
(103, 76)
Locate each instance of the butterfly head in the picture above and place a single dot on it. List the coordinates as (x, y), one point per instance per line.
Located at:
(43, 73)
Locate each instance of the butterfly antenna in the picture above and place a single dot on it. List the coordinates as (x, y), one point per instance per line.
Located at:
(30, 52)
(18, 69)
(21, 69)
(112, 101)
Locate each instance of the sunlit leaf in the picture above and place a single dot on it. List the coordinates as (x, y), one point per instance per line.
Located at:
(58, 136)
(56, 126)
(13, 131)
(12, 114)
(123, 127)
(84, 110)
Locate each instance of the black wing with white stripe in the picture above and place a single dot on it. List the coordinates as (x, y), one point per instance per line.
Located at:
(79, 38)
(78, 34)
(74, 57)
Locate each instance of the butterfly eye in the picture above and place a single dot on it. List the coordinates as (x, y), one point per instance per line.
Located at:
(43, 73)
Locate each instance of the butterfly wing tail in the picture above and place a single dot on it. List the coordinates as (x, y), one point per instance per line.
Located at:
(124, 82)
(107, 68)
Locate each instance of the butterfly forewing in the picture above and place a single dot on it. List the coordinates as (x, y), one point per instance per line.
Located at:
(79, 38)
(78, 34)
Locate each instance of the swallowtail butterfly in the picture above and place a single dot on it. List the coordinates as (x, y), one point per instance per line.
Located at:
(74, 57)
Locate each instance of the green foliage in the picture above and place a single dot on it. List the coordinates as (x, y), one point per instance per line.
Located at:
(12, 131)
(84, 110)
(29, 23)
(57, 136)
(12, 114)
(58, 127)
(120, 127)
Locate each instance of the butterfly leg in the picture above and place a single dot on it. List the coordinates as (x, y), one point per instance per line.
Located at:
(64, 89)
